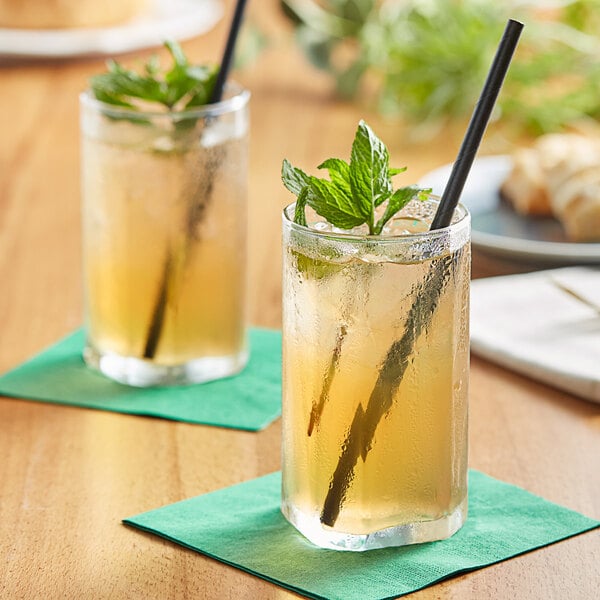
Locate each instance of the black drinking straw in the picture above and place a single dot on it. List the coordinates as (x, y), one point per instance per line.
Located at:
(477, 125)
(364, 424)
(227, 59)
(160, 306)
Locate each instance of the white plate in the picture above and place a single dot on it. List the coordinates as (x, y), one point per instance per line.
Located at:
(164, 19)
(498, 229)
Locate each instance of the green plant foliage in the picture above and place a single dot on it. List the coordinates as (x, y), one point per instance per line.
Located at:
(429, 58)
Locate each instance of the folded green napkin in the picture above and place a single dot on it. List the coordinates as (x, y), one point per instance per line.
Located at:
(250, 400)
(242, 526)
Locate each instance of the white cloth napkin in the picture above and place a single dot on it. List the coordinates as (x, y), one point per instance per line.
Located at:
(530, 323)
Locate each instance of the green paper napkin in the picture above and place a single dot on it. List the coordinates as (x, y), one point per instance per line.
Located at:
(250, 400)
(242, 526)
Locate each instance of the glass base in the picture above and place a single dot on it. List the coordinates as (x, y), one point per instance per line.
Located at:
(144, 373)
(402, 535)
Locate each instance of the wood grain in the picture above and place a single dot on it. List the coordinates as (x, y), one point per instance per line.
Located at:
(68, 476)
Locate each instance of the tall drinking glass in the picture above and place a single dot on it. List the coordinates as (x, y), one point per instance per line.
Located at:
(164, 240)
(375, 380)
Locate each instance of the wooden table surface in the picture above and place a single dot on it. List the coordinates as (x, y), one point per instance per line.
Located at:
(68, 476)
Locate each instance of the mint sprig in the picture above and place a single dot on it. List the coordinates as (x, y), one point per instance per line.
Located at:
(354, 190)
(181, 87)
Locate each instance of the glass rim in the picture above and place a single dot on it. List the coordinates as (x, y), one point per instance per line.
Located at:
(239, 98)
(463, 222)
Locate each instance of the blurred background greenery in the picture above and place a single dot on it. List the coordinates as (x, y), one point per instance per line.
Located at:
(426, 60)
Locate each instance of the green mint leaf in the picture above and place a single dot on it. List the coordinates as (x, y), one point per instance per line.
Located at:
(393, 172)
(300, 213)
(194, 81)
(329, 200)
(369, 172)
(294, 179)
(339, 173)
(397, 201)
(152, 67)
(182, 86)
(106, 94)
(122, 85)
(177, 54)
(177, 79)
(205, 78)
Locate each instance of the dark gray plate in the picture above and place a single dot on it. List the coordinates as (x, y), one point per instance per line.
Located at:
(498, 229)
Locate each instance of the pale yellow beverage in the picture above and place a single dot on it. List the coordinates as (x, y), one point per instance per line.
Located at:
(164, 240)
(375, 375)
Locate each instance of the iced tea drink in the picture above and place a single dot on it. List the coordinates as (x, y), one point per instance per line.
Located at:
(375, 376)
(164, 240)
